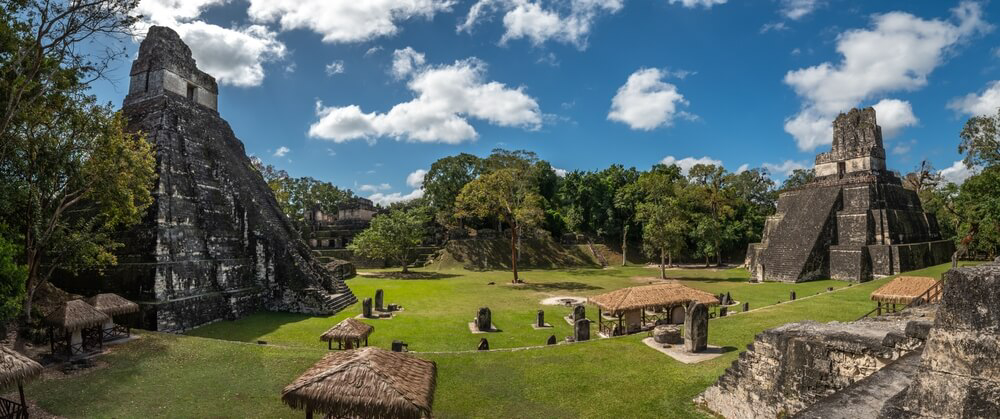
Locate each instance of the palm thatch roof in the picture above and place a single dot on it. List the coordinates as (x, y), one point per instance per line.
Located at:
(369, 382)
(647, 296)
(75, 315)
(350, 328)
(15, 367)
(112, 304)
(903, 290)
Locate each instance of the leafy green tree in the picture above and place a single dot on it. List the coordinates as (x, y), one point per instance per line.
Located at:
(392, 236)
(978, 204)
(445, 180)
(798, 177)
(981, 140)
(12, 280)
(665, 224)
(624, 201)
(708, 191)
(753, 200)
(298, 196)
(508, 194)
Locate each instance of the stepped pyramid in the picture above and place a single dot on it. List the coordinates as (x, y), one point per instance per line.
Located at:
(215, 244)
(853, 222)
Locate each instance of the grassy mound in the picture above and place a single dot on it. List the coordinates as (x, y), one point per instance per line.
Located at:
(489, 254)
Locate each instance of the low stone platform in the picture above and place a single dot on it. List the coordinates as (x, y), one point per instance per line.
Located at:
(537, 327)
(475, 331)
(677, 352)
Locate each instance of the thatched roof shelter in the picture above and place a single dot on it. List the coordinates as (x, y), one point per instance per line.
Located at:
(903, 290)
(350, 328)
(648, 296)
(369, 382)
(76, 315)
(112, 304)
(15, 368)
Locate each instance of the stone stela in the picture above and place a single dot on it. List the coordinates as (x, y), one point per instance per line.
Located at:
(853, 222)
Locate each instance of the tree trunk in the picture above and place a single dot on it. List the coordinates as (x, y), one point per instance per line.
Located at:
(513, 252)
(707, 264)
(718, 254)
(663, 268)
(625, 245)
(670, 259)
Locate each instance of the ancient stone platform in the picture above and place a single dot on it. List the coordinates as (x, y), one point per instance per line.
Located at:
(677, 352)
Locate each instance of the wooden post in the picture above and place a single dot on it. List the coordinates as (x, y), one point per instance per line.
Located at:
(20, 389)
(309, 412)
(879, 309)
(329, 345)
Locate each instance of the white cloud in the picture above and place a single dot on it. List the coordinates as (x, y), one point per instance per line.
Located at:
(416, 178)
(345, 20)
(562, 21)
(796, 9)
(446, 97)
(373, 50)
(897, 53)
(785, 168)
(336, 67)
(688, 162)
(775, 26)
(903, 147)
(560, 172)
(743, 167)
(234, 56)
(893, 115)
(405, 61)
(374, 188)
(387, 199)
(695, 3)
(645, 101)
(957, 173)
(281, 151)
(984, 103)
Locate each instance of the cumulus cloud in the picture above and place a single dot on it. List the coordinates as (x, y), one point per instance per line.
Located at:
(281, 151)
(405, 60)
(695, 3)
(560, 172)
(688, 162)
(234, 56)
(957, 173)
(446, 97)
(374, 188)
(341, 21)
(897, 53)
(796, 9)
(540, 21)
(416, 178)
(392, 198)
(893, 115)
(743, 167)
(336, 67)
(984, 103)
(785, 168)
(646, 102)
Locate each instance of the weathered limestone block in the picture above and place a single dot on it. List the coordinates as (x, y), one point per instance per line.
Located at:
(378, 300)
(696, 328)
(667, 333)
(959, 373)
(581, 330)
(579, 312)
(540, 318)
(366, 308)
(484, 319)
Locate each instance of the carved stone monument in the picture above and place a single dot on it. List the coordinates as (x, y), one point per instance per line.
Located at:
(378, 300)
(552, 340)
(667, 333)
(581, 330)
(366, 308)
(746, 306)
(853, 222)
(579, 312)
(696, 328)
(484, 320)
(791, 296)
(484, 345)
(540, 319)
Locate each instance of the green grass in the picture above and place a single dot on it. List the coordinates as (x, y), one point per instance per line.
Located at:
(182, 376)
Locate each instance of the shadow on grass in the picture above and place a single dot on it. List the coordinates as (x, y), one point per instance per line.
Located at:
(249, 328)
(709, 280)
(556, 286)
(408, 275)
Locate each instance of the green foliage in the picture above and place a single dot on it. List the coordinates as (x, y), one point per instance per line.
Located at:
(392, 236)
(981, 140)
(445, 180)
(298, 196)
(12, 280)
(798, 177)
(978, 204)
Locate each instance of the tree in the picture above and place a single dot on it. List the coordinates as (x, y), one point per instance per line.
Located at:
(753, 200)
(707, 189)
(981, 140)
(445, 180)
(798, 177)
(75, 178)
(625, 200)
(392, 236)
(507, 193)
(12, 280)
(664, 222)
(298, 196)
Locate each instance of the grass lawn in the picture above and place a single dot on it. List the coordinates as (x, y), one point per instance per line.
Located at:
(186, 376)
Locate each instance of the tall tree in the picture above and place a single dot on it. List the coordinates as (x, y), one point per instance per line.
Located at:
(392, 236)
(13, 276)
(708, 189)
(981, 140)
(445, 180)
(508, 194)
(624, 200)
(798, 177)
(665, 224)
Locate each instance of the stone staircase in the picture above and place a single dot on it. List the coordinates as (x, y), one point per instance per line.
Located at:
(332, 303)
(795, 253)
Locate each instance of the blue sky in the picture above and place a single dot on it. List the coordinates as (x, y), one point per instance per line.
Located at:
(365, 93)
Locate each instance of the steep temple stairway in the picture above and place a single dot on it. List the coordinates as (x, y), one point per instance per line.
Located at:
(797, 251)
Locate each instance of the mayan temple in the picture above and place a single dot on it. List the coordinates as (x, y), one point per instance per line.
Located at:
(215, 244)
(853, 222)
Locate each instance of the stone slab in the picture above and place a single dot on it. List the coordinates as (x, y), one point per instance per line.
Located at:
(537, 327)
(472, 328)
(677, 352)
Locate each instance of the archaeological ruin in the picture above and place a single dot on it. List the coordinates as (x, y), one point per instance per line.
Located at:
(853, 222)
(214, 244)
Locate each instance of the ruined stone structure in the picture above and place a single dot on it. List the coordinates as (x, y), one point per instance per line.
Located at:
(581, 330)
(853, 222)
(696, 328)
(214, 244)
(484, 320)
(933, 361)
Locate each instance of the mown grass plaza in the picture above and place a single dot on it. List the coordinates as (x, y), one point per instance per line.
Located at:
(220, 367)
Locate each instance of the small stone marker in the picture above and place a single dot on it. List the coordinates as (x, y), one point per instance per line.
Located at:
(581, 330)
(366, 308)
(579, 312)
(722, 311)
(729, 298)
(828, 289)
(746, 306)
(398, 345)
(484, 345)
(696, 328)
(667, 333)
(791, 296)
(378, 299)
(552, 340)
(484, 320)
(540, 321)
